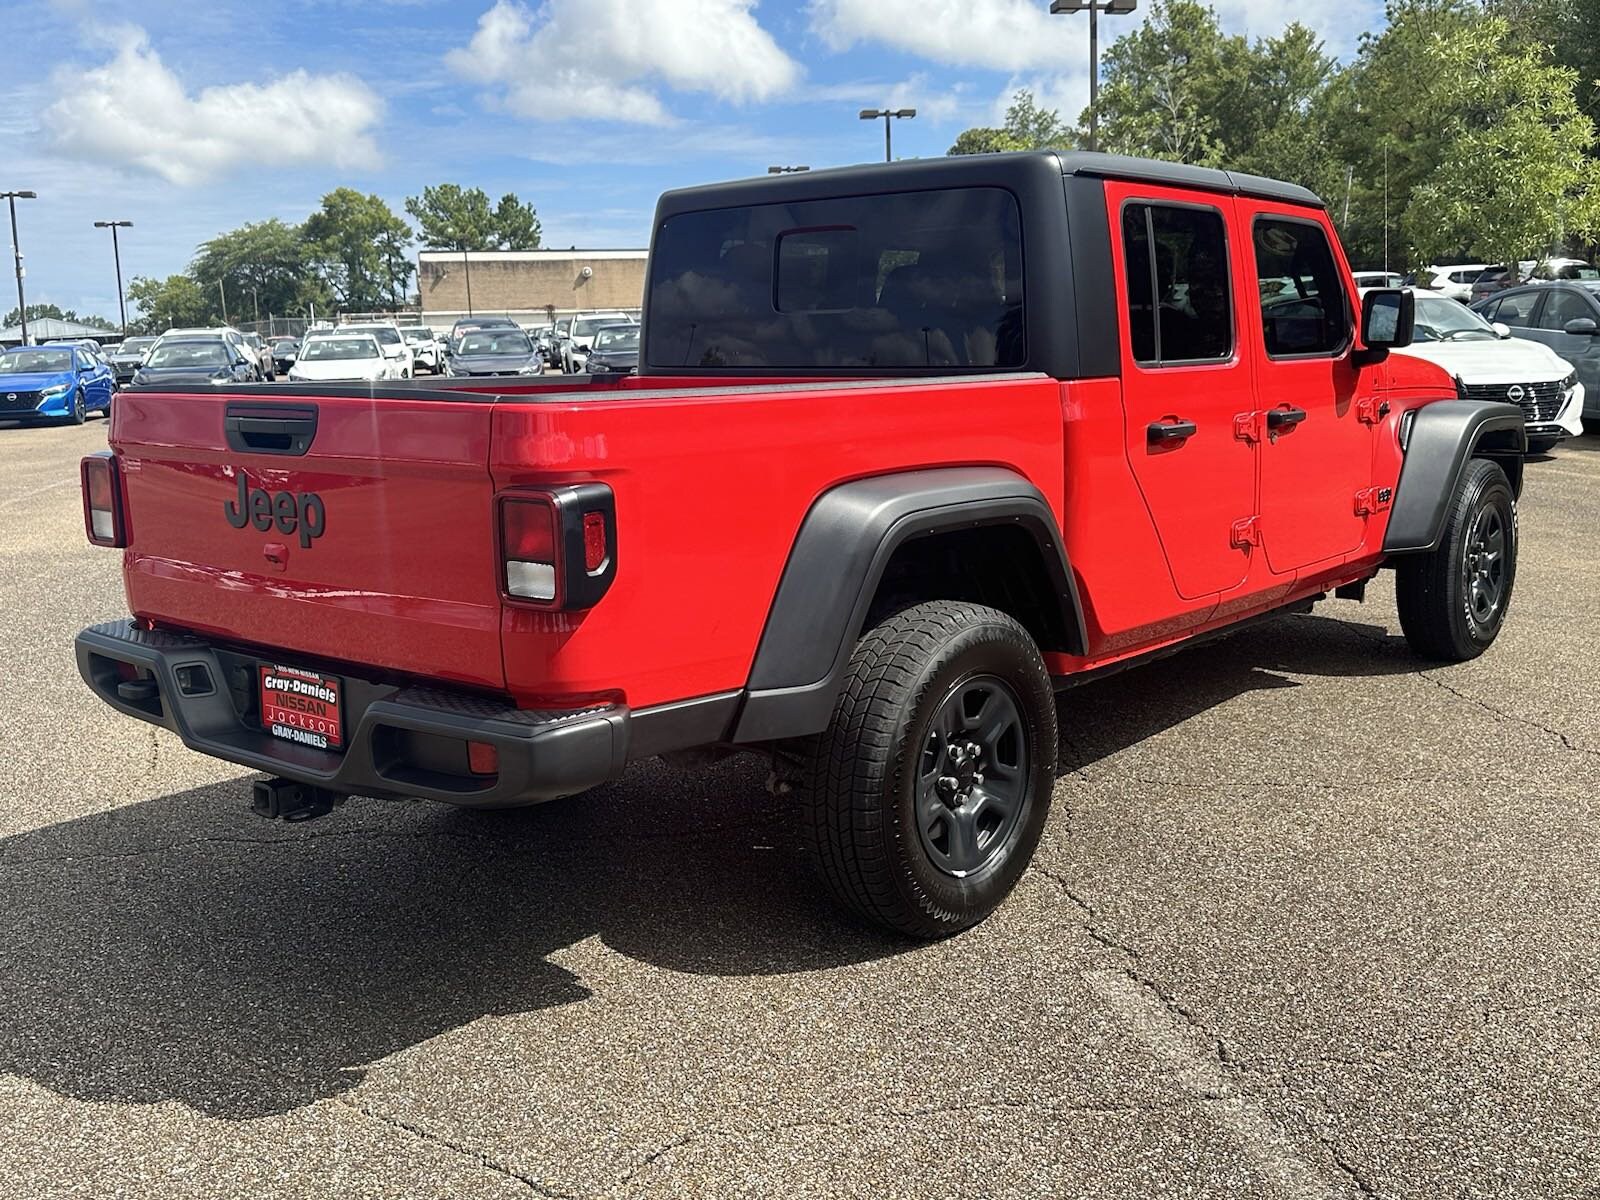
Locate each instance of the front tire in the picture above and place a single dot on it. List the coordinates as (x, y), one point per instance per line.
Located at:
(1453, 600)
(79, 411)
(925, 797)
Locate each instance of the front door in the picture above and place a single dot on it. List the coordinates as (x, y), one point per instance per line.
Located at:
(1183, 378)
(1562, 306)
(1316, 448)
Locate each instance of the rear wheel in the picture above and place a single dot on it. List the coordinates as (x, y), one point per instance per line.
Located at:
(1453, 600)
(925, 797)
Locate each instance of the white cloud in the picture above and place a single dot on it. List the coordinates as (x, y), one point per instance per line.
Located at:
(598, 58)
(1001, 35)
(1022, 35)
(133, 111)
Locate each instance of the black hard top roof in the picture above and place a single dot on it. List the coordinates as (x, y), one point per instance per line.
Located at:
(975, 169)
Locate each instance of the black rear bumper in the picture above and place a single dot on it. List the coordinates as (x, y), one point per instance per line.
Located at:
(401, 741)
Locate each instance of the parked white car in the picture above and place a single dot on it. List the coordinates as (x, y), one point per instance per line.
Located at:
(1489, 364)
(392, 341)
(426, 350)
(1454, 280)
(1378, 279)
(340, 357)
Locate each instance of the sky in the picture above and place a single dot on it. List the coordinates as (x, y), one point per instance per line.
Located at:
(190, 119)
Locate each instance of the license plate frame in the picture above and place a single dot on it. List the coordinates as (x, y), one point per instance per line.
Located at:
(304, 708)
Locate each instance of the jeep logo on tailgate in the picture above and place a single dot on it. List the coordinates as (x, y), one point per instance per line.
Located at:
(288, 511)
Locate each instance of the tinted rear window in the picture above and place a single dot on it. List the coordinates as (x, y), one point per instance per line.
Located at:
(917, 279)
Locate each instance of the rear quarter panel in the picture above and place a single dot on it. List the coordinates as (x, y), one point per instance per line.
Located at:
(711, 489)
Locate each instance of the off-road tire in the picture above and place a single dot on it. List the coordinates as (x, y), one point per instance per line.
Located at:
(1439, 614)
(859, 778)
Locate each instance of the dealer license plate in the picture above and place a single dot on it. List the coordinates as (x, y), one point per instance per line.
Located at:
(304, 707)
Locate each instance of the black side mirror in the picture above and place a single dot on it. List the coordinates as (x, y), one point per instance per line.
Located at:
(1388, 320)
(1582, 327)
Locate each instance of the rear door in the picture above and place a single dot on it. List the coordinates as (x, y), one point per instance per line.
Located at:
(1316, 448)
(1183, 377)
(351, 528)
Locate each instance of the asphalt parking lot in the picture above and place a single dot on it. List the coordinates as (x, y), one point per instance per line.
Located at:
(1308, 921)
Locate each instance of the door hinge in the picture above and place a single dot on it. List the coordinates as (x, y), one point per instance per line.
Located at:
(1246, 532)
(1371, 410)
(1248, 427)
(1373, 500)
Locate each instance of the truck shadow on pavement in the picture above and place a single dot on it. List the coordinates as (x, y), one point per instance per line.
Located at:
(181, 949)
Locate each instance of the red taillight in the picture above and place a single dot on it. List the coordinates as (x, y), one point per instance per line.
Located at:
(595, 543)
(559, 547)
(102, 500)
(528, 529)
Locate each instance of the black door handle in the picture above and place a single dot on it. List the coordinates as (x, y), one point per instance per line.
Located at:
(1285, 418)
(1161, 433)
(274, 430)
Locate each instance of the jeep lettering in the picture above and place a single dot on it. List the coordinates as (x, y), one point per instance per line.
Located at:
(286, 511)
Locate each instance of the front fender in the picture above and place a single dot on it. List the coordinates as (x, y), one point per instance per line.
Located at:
(1438, 441)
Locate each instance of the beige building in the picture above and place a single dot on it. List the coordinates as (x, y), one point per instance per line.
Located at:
(529, 285)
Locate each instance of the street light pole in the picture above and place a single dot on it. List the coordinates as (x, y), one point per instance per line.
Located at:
(1112, 8)
(16, 250)
(116, 254)
(889, 115)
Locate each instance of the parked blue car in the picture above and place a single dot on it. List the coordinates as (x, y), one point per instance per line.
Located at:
(54, 383)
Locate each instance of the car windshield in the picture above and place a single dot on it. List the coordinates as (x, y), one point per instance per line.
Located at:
(137, 345)
(189, 354)
(418, 335)
(1440, 320)
(285, 344)
(26, 362)
(618, 340)
(329, 349)
(584, 326)
(386, 334)
(494, 341)
(1579, 271)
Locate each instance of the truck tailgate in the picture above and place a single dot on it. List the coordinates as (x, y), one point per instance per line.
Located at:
(339, 527)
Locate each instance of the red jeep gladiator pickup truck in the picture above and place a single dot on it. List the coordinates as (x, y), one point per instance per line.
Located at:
(911, 449)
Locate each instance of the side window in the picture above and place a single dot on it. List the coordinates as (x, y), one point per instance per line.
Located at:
(1303, 305)
(1516, 309)
(1560, 307)
(1180, 307)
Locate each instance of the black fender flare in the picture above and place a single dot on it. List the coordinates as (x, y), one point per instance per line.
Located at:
(838, 559)
(1438, 439)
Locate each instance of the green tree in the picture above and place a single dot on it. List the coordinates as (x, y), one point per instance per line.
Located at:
(1457, 138)
(1027, 127)
(37, 312)
(1161, 85)
(1516, 172)
(359, 248)
(176, 301)
(267, 264)
(451, 217)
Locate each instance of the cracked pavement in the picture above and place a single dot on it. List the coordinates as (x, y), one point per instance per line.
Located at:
(1309, 920)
